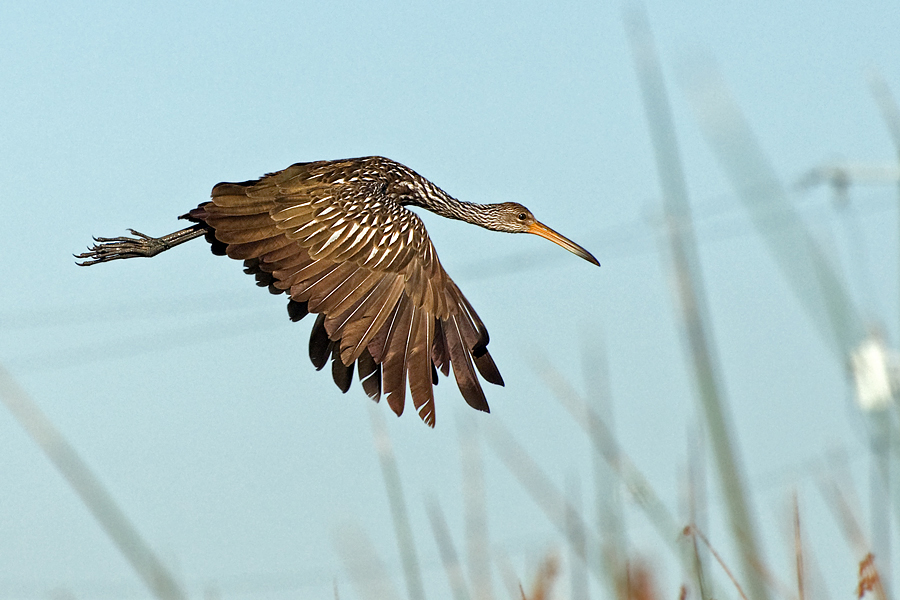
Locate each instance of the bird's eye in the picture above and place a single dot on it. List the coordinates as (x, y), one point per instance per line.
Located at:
(522, 216)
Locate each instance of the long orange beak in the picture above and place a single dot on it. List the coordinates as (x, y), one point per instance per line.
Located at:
(547, 233)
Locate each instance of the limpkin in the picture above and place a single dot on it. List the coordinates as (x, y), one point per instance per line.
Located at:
(336, 236)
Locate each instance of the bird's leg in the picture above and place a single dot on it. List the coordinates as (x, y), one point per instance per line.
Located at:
(107, 249)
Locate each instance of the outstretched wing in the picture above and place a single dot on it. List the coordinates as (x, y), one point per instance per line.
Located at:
(327, 234)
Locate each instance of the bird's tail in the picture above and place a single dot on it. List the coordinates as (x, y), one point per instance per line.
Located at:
(199, 215)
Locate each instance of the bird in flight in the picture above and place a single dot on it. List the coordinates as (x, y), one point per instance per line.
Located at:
(337, 238)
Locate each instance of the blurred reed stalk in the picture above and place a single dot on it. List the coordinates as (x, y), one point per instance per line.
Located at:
(367, 571)
(836, 500)
(474, 500)
(507, 574)
(607, 449)
(696, 509)
(90, 489)
(798, 550)
(690, 298)
(578, 577)
(890, 112)
(449, 557)
(541, 489)
(693, 531)
(544, 579)
(411, 572)
(606, 446)
(817, 284)
(610, 518)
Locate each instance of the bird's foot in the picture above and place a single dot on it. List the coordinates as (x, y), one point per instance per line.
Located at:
(107, 249)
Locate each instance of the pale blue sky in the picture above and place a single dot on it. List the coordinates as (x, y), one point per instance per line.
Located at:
(189, 392)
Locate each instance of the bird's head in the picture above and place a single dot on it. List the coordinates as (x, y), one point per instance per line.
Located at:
(512, 217)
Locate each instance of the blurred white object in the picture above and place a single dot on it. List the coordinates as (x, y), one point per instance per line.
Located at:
(874, 370)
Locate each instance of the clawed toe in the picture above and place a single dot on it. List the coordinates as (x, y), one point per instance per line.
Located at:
(124, 239)
(107, 249)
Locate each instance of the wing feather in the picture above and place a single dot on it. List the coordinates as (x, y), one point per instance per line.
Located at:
(274, 261)
(319, 289)
(256, 249)
(308, 277)
(303, 270)
(487, 368)
(319, 344)
(230, 222)
(369, 375)
(440, 353)
(287, 255)
(341, 373)
(462, 367)
(350, 294)
(242, 236)
(374, 313)
(420, 367)
(395, 357)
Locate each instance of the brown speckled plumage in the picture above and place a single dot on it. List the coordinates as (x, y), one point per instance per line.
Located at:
(336, 237)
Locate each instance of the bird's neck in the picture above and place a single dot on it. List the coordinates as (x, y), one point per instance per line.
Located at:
(434, 199)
